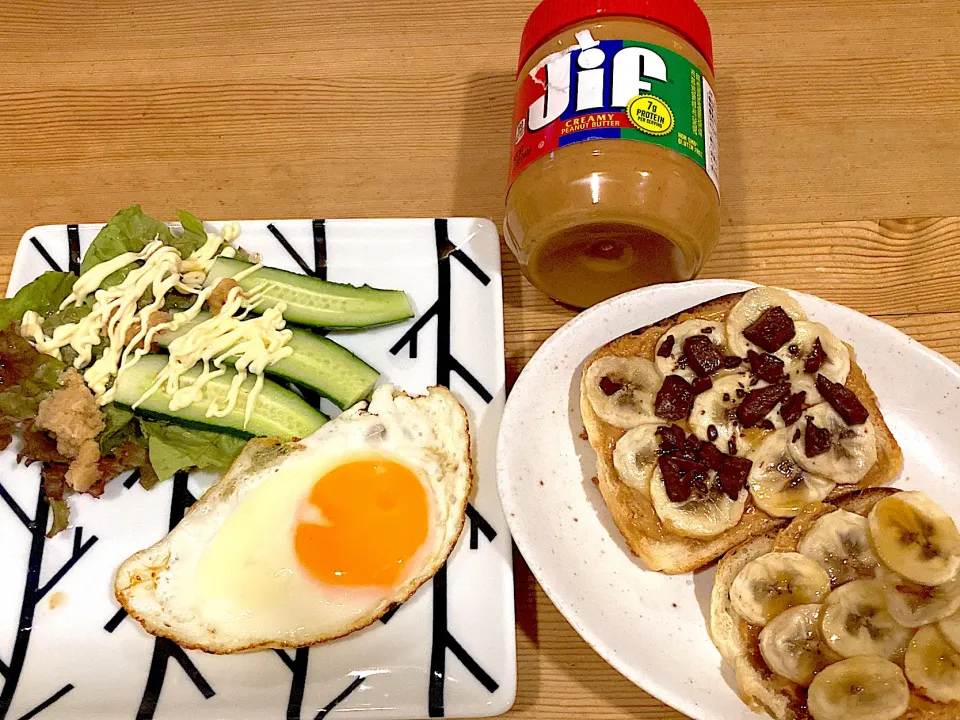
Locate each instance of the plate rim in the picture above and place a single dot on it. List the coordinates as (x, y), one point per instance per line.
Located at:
(524, 540)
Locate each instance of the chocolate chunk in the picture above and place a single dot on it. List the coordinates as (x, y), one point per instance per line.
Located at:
(726, 397)
(815, 359)
(847, 405)
(712, 456)
(692, 447)
(674, 399)
(672, 438)
(796, 435)
(701, 384)
(766, 367)
(790, 411)
(666, 347)
(711, 432)
(731, 361)
(794, 350)
(702, 355)
(771, 330)
(679, 475)
(816, 441)
(609, 386)
(741, 392)
(766, 425)
(707, 330)
(758, 403)
(733, 475)
(678, 484)
(732, 445)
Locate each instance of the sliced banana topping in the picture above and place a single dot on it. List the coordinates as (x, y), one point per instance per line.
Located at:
(706, 513)
(861, 688)
(933, 665)
(622, 390)
(803, 360)
(790, 644)
(778, 484)
(671, 359)
(913, 604)
(713, 417)
(839, 541)
(635, 457)
(856, 622)
(822, 443)
(915, 538)
(775, 582)
(749, 309)
(950, 627)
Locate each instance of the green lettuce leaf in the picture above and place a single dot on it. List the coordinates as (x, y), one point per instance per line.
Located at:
(61, 517)
(175, 448)
(130, 230)
(119, 427)
(43, 296)
(26, 376)
(193, 237)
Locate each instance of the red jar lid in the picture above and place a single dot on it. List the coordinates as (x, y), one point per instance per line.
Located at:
(682, 16)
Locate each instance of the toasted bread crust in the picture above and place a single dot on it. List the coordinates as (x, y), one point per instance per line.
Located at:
(759, 688)
(633, 512)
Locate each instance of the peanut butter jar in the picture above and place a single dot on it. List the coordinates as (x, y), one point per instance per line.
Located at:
(614, 181)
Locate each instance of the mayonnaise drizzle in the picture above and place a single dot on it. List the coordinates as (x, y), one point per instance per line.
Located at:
(255, 343)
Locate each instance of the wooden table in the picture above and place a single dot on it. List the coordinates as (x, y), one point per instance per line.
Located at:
(839, 118)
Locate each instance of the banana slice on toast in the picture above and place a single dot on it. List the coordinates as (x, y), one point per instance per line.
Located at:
(791, 644)
(914, 537)
(932, 665)
(860, 688)
(622, 390)
(822, 443)
(839, 541)
(772, 583)
(671, 349)
(778, 484)
(856, 622)
(635, 457)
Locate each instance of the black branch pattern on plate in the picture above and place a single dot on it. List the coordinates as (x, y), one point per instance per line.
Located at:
(33, 594)
(447, 365)
(45, 254)
(297, 257)
(73, 248)
(319, 269)
(298, 666)
(164, 649)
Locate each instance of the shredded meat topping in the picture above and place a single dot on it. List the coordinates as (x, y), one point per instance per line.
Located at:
(218, 297)
(71, 414)
(156, 318)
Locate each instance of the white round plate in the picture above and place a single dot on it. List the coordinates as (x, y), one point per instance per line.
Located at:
(649, 626)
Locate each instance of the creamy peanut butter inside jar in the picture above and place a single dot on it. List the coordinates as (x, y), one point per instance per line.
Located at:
(614, 181)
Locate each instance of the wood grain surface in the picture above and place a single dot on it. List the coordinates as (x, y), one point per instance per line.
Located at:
(840, 121)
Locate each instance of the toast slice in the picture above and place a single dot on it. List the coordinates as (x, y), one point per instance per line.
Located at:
(762, 690)
(633, 512)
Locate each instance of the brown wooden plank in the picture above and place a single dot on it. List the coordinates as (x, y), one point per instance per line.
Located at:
(234, 108)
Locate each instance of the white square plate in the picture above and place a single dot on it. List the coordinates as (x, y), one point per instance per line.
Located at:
(68, 651)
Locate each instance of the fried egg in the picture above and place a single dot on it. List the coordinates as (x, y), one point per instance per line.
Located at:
(303, 542)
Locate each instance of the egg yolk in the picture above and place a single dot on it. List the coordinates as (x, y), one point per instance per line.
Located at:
(376, 517)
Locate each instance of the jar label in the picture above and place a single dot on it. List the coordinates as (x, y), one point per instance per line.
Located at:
(620, 89)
